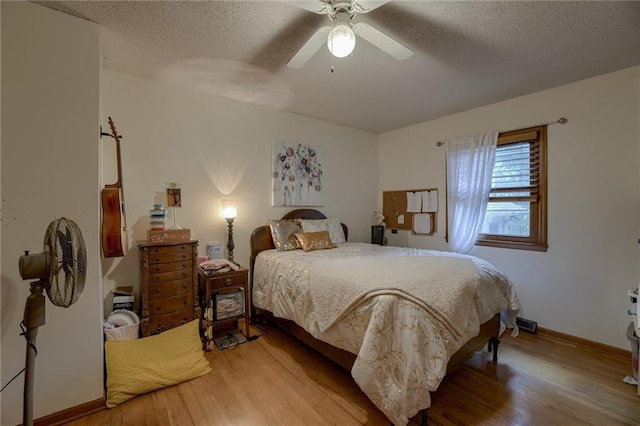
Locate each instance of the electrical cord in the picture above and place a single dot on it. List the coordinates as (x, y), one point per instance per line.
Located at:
(263, 331)
(14, 377)
(251, 338)
(30, 343)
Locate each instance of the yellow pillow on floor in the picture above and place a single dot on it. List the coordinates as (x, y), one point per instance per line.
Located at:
(139, 366)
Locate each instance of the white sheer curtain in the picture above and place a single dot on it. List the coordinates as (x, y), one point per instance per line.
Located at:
(469, 167)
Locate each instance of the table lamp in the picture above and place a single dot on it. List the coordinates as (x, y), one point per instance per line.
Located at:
(229, 212)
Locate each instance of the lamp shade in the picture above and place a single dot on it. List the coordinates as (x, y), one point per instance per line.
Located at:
(341, 40)
(229, 208)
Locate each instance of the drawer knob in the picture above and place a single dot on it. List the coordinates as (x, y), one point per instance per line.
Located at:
(229, 281)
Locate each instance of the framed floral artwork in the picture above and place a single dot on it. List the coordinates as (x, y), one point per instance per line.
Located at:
(297, 175)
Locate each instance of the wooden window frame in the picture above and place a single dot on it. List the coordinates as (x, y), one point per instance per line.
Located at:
(537, 241)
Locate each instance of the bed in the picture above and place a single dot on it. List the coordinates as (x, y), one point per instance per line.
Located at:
(382, 312)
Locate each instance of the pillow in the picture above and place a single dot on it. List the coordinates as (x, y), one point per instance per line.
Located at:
(336, 233)
(314, 240)
(143, 365)
(282, 233)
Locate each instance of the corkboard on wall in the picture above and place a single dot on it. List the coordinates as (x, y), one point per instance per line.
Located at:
(394, 207)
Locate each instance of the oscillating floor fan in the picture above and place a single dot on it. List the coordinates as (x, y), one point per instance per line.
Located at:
(60, 270)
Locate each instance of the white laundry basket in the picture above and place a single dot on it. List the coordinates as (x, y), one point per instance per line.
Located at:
(122, 324)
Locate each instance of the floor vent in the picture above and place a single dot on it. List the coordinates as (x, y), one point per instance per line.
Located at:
(527, 325)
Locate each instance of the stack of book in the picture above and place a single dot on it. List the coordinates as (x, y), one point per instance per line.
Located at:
(157, 217)
(123, 298)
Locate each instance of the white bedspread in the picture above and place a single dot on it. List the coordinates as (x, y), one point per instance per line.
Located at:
(402, 311)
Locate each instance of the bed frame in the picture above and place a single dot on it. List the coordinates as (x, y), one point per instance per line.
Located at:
(261, 240)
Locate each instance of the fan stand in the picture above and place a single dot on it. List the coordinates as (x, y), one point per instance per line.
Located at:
(34, 317)
(60, 269)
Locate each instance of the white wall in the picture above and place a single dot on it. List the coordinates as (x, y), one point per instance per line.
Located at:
(216, 147)
(579, 285)
(49, 153)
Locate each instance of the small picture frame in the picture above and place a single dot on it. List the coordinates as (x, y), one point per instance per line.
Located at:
(174, 197)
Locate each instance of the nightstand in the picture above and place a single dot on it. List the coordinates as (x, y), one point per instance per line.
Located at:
(222, 297)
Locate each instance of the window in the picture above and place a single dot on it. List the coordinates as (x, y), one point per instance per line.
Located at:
(516, 215)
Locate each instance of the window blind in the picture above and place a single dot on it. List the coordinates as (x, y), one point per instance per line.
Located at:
(516, 173)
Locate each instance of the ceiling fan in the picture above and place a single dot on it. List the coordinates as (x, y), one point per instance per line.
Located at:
(340, 36)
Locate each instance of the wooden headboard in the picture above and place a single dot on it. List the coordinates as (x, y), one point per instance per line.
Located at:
(261, 237)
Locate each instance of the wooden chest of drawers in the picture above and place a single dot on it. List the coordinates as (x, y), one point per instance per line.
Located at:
(168, 285)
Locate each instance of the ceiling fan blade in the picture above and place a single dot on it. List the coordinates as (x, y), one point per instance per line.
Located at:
(315, 6)
(312, 45)
(382, 41)
(364, 6)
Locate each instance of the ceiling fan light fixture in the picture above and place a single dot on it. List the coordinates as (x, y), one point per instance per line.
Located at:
(341, 40)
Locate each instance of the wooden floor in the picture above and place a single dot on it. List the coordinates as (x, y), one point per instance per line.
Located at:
(275, 380)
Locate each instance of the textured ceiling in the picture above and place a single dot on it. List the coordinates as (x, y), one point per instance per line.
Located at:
(467, 54)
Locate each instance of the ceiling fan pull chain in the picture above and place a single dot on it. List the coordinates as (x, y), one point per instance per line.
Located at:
(331, 41)
(331, 64)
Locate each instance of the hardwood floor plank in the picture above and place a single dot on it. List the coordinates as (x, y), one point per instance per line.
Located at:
(275, 380)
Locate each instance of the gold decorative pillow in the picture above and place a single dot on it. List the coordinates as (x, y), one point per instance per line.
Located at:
(314, 240)
(143, 365)
(282, 232)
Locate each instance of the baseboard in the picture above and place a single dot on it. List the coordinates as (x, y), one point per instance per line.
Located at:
(584, 342)
(73, 413)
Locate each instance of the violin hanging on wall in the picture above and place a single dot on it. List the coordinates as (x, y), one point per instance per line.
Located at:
(114, 220)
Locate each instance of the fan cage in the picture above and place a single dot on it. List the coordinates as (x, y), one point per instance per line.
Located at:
(65, 247)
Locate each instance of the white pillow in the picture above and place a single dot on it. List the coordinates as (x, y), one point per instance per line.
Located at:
(336, 233)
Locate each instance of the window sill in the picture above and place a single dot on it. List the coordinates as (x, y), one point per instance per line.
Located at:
(517, 245)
